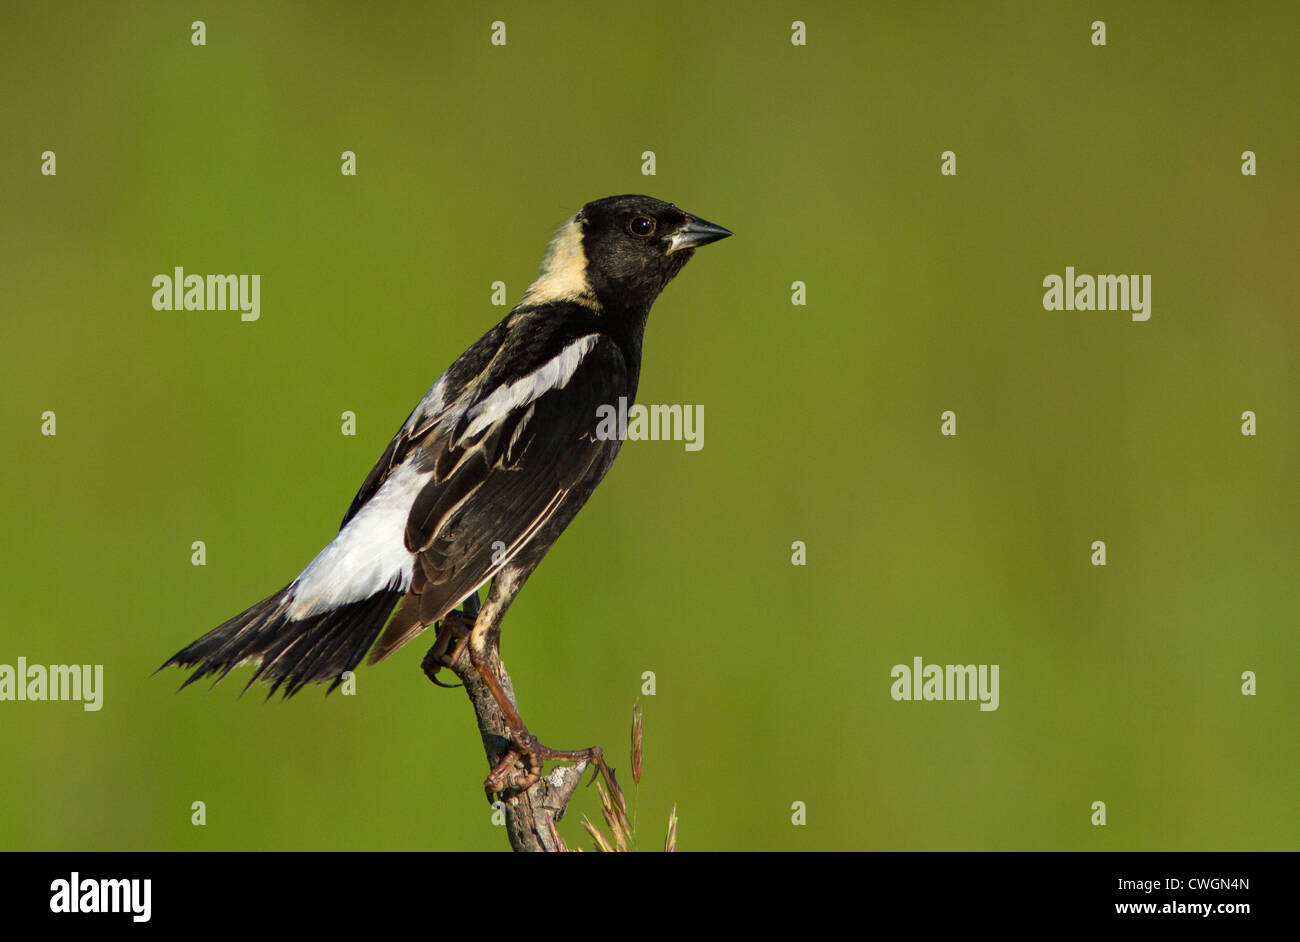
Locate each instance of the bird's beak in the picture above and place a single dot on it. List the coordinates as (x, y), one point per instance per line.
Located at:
(695, 232)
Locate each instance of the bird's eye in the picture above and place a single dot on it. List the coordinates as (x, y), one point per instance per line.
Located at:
(641, 226)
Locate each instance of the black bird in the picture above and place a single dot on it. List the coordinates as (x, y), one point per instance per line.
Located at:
(483, 476)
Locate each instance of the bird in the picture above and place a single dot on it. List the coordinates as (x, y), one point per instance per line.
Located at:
(480, 480)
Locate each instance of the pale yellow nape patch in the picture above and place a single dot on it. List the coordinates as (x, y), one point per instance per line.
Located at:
(564, 271)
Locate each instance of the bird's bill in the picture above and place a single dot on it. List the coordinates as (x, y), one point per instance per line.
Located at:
(694, 233)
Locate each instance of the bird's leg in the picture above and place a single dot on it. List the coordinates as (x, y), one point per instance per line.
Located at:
(483, 644)
(457, 626)
(524, 746)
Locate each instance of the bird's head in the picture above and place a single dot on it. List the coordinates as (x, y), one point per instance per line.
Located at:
(620, 252)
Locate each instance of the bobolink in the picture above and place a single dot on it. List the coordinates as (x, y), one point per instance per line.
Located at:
(485, 473)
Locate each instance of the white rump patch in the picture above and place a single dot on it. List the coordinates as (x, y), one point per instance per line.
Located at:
(367, 555)
(554, 374)
(564, 270)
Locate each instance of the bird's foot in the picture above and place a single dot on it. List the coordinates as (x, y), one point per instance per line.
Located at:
(521, 766)
(450, 641)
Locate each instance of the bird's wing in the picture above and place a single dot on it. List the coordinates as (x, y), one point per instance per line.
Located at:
(445, 400)
(500, 472)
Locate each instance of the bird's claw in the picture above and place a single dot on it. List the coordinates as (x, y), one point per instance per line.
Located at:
(526, 751)
(457, 627)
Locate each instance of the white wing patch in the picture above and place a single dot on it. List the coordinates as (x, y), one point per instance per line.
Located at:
(555, 373)
(367, 555)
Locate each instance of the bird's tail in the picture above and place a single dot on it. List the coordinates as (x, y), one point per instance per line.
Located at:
(289, 652)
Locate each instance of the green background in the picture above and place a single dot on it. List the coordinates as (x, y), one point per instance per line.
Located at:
(924, 293)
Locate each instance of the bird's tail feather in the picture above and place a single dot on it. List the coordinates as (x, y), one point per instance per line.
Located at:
(289, 652)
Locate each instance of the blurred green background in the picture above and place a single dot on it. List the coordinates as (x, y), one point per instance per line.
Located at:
(1118, 684)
